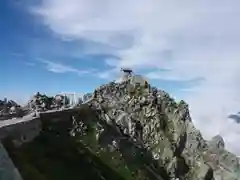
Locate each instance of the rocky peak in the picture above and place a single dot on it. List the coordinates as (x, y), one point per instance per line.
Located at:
(142, 133)
(152, 118)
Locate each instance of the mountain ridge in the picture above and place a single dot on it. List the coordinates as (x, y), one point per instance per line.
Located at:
(137, 131)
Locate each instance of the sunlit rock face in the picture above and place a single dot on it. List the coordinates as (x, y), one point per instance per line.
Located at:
(128, 130)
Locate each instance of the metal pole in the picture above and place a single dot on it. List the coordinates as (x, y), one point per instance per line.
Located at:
(74, 97)
(64, 99)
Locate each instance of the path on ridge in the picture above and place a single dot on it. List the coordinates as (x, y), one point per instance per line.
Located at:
(30, 117)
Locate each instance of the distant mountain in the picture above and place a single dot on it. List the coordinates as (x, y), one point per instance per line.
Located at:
(235, 117)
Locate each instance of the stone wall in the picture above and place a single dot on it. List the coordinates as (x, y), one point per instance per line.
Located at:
(26, 130)
(21, 132)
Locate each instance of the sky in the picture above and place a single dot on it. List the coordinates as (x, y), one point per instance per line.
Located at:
(189, 48)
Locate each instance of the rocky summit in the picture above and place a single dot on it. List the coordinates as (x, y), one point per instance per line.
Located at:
(127, 131)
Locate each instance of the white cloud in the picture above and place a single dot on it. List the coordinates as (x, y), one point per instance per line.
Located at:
(193, 39)
(62, 68)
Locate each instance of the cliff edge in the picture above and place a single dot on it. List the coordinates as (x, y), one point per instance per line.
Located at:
(130, 131)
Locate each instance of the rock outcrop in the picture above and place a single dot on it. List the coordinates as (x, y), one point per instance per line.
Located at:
(133, 131)
(42, 102)
(9, 109)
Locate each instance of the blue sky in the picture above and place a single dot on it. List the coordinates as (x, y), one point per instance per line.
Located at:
(26, 43)
(188, 48)
(31, 54)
